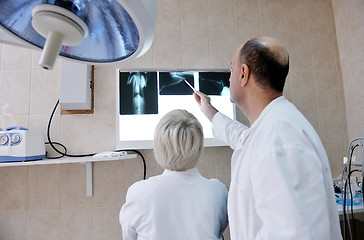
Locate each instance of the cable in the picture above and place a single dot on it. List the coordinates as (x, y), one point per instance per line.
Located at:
(62, 155)
(351, 204)
(143, 159)
(81, 155)
(344, 194)
(51, 143)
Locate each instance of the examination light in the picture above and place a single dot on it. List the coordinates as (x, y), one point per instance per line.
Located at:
(88, 31)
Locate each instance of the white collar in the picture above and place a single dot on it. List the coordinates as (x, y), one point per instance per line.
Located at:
(193, 172)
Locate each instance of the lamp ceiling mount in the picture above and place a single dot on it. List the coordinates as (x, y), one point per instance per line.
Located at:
(60, 27)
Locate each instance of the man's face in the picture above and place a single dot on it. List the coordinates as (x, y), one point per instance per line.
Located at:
(235, 76)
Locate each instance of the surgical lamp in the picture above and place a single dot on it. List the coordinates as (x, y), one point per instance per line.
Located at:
(87, 31)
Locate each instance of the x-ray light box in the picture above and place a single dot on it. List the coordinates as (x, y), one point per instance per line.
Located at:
(143, 97)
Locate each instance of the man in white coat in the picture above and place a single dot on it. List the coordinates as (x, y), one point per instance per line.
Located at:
(281, 184)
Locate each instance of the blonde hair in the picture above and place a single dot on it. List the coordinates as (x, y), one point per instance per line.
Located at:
(178, 140)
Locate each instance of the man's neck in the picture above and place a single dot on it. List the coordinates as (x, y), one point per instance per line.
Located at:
(258, 102)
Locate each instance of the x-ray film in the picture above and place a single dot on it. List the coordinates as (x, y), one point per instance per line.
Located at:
(172, 83)
(215, 83)
(145, 97)
(138, 93)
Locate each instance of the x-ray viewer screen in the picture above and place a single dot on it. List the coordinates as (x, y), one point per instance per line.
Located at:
(144, 97)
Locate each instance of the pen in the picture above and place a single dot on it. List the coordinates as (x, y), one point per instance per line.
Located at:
(190, 85)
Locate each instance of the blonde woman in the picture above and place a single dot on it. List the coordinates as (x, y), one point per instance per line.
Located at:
(180, 203)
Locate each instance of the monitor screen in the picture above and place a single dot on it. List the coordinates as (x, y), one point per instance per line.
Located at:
(143, 97)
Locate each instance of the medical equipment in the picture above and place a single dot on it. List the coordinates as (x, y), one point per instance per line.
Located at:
(21, 144)
(93, 32)
(348, 193)
(145, 95)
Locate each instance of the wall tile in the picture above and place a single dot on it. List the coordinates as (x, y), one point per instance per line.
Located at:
(105, 91)
(21, 120)
(247, 22)
(77, 133)
(13, 188)
(327, 90)
(319, 16)
(195, 48)
(220, 14)
(331, 129)
(295, 16)
(15, 58)
(15, 85)
(76, 224)
(206, 165)
(223, 165)
(44, 187)
(247, 17)
(169, 14)
(13, 225)
(352, 117)
(167, 46)
(345, 126)
(222, 48)
(134, 171)
(194, 14)
(44, 224)
(312, 117)
(323, 52)
(271, 15)
(73, 187)
(109, 179)
(299, 49)
(304, 91)
(104, 127)
(106, 223)
(44, 91)
(357, 92)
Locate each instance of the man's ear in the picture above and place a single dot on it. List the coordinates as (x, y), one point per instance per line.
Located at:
(244, 75)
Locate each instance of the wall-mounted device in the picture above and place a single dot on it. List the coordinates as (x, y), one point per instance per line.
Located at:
(75, 91)
(21, 144)
(143, 97)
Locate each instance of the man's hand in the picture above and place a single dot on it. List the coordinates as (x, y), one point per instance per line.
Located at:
(204, 102)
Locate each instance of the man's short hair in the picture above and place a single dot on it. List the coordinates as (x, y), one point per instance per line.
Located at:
(267, 66)
(178, 140)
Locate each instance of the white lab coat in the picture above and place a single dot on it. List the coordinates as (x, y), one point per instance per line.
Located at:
(281, 184)
(175, 205)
